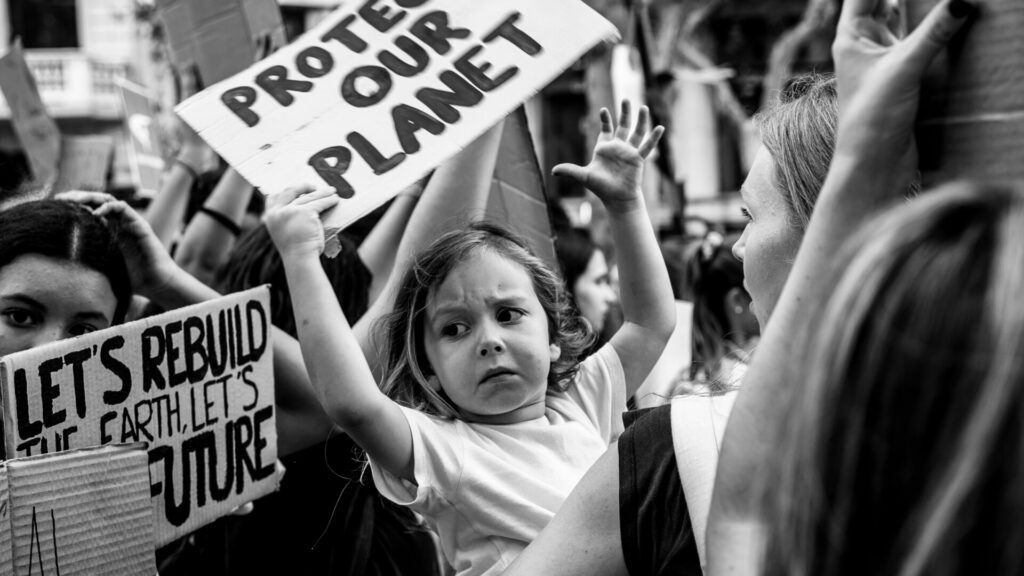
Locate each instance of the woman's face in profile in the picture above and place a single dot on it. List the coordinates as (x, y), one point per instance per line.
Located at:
(45, 299)
(770, 240)
(593, 291)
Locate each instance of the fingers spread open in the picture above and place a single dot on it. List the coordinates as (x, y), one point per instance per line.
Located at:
(643, 123)
(647, 146)
(606, 121)
(625, 119)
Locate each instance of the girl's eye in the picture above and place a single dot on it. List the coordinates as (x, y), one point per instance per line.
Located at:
(509, 315)
(454, 330)
(746, 215)
(19, 318)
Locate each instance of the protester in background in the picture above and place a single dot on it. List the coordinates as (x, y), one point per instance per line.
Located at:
(724, 327)
(630, 514)
(586, 274)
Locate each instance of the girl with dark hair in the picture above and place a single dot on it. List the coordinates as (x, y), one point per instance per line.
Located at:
(724, 327)
(62, 274)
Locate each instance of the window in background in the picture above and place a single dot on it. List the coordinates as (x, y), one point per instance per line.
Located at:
(44, 23)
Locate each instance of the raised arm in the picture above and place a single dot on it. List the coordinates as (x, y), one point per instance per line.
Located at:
(379, 248)
(341, 377)
(878, 83)
(456, 193)
(301, 421)
(166, 211)
(615, 176)
(211, 234)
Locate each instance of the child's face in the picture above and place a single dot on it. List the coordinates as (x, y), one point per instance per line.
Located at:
(43, 300)
(486, 337)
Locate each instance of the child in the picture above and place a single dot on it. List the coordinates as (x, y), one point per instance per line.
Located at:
(489, 421)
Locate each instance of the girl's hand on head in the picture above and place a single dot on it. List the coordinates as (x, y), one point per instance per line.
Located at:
(293, 219)
(615, 172)
(150, 266)
(878, 76)
(91, 199)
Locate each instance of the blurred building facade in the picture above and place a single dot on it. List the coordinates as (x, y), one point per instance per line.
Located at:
(77, 49)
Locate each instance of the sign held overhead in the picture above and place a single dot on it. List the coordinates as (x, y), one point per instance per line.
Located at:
(380, 93)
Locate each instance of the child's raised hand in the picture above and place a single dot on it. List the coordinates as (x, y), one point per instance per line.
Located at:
(616, 170)
(293, 219)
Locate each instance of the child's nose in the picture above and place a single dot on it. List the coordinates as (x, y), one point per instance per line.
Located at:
(490, 342)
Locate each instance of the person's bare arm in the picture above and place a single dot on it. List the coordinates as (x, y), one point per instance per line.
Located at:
(207, 242)
(615, 175)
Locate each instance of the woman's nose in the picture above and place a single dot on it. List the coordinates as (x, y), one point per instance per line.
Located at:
(740, 247)
(47, 334)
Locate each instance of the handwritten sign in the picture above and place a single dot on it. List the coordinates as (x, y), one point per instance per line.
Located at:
(37, 132)
(80, 512)
(143, 138)
(6, 565)
(380, 93)
(220, 38)
(196, 384)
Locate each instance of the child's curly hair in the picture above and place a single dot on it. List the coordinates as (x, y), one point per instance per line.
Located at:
(405, 364)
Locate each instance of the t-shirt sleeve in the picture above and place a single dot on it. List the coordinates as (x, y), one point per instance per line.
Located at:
(437, 465)
(657, 537)
(600, 390)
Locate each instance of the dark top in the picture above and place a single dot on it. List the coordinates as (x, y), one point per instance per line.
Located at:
(321, 522)
(656, 534)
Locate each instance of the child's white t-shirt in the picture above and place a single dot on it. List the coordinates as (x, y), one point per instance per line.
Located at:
(490, 489)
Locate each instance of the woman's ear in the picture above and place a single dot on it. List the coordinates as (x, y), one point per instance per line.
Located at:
(556, 352)
(434, 383)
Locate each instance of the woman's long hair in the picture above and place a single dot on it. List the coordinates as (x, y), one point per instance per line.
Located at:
(904, 447)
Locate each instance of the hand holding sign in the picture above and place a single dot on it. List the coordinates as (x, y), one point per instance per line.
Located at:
(615, 172)
(293, 220)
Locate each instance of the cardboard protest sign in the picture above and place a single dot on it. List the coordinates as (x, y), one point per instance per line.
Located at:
(971, 120)
(517, 190)
(84, 163)
(144, 154)
(379, 94)
(195, 383)
(37, 132)
(220, 38)
(6, 565)
(81, 512)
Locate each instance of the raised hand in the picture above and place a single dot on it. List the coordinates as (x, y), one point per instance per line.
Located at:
(615, 172)
(879, 77)
(293, 219)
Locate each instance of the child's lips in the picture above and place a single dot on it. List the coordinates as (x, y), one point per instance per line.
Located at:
(496, 373)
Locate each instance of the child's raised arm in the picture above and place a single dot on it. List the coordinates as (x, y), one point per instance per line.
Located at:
(615, 175)
(334, 360)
